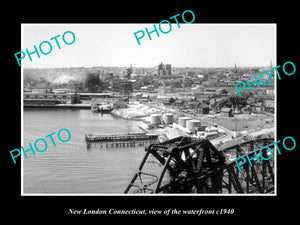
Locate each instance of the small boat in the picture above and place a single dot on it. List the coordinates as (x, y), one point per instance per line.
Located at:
(102, 107)
(95, 108)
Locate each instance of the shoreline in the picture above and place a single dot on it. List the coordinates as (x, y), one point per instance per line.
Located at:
(67, 106)
(142, 112)
(135, 112)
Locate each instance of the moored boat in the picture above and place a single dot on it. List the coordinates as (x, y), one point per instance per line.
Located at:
(102, 107)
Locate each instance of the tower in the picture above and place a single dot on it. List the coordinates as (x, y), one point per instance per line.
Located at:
(272, 71)
(160, 69)
(168, 69)
(127, 84)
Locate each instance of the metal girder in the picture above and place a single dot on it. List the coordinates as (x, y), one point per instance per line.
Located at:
(190, 165)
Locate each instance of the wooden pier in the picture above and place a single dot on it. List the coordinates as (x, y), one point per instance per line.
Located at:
(120, 137)
(121, 140)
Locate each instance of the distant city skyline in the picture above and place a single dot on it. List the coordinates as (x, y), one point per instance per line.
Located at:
(192, 45)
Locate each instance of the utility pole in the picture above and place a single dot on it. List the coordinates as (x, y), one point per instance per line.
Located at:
(235, 126)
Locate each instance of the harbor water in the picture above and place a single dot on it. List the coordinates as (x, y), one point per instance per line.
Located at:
(71, 167)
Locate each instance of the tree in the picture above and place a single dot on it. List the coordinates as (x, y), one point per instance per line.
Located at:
(187, 82)
(238, 102)
(234, 102)
(223, 102)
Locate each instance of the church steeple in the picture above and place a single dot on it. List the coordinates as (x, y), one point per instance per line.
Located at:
(272, 72)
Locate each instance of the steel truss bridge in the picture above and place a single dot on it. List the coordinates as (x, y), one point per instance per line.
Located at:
(189, 165)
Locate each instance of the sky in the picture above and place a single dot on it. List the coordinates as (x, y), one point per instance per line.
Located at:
(191, 45)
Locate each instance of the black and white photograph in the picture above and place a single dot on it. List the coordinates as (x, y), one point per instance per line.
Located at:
(162, 117)
(137, 111)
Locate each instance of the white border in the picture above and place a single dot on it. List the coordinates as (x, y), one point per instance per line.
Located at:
(153, 195)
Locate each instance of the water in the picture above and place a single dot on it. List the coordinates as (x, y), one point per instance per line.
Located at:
(70, 168)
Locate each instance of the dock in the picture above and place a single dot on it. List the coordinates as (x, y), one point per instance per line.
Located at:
(54, 106)
(120, 137)
(121, 140)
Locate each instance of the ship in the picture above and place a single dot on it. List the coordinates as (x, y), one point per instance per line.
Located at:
(102, 107)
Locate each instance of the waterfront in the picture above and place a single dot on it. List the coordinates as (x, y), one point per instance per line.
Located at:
(70, 168)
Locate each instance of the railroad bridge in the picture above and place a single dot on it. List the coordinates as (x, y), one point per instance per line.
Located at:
(189, 165)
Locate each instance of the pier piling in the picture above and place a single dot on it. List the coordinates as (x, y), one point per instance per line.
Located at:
(122, 140)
